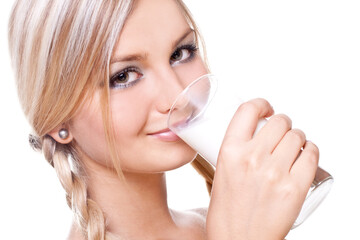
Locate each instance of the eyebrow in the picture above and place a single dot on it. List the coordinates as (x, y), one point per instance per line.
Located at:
(143, 56)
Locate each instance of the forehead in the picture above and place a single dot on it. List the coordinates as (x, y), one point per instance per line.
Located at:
(152, 23)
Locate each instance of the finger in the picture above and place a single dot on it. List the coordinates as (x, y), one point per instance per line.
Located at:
(288, 149)
(304, 168)
(244, 122)
(272, 133)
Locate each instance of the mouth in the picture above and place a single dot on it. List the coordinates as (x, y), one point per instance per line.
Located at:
(165, 135)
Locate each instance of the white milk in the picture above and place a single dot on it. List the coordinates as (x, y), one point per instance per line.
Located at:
(205, 135)
(206, 132)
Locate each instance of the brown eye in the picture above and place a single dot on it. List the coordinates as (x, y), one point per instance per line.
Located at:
(177, 55)
(183, 54)
(121, 78)
(126, 78)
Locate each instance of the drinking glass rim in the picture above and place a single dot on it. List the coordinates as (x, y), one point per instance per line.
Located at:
(213, 82)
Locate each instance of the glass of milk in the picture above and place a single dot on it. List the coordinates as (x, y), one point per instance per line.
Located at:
(200, 116)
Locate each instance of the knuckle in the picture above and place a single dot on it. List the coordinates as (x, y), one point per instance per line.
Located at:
(316, 149)
(248, 108)
(282, 120)
(290, 191)
(253, 162)
(226, 148)
(313, 154)
(297, 135)
(272, 176)
(262, 102)
(229, 154)
(256, 107)
(232, 165)
(239, 159)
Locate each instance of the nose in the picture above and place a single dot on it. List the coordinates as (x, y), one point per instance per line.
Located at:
(168, 86)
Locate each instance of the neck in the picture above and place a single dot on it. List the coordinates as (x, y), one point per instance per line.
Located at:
(138, 201)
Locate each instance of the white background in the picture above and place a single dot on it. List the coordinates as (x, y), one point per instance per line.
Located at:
(303, 56)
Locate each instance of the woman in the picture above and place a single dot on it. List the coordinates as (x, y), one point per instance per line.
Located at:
(96, 80)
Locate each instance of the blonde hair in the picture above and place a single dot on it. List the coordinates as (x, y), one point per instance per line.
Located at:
(60, 50)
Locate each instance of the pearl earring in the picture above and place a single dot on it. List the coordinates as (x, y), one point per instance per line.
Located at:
(63, 133)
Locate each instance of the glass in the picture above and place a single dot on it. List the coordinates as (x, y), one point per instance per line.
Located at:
(200, 116)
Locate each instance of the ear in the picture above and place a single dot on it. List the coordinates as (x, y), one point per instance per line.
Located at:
(55, 134)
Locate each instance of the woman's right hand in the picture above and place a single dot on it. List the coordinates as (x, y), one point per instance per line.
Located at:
(260, 182)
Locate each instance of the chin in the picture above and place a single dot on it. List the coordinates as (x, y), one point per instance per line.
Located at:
(162, 159)
(174, 158)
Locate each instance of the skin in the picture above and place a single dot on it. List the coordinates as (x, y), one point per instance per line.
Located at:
(139, 112)
(261, 182)
(257, 179)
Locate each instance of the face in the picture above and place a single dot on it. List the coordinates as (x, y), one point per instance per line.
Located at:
(155, 58)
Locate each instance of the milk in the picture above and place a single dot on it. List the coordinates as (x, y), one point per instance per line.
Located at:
(203, 124)
(206, 134)
(206, 131)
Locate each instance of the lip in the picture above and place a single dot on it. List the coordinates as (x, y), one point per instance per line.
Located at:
(165, 135)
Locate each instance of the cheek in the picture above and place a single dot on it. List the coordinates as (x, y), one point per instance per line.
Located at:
(191, 71)
(89, 136)
(128, 119)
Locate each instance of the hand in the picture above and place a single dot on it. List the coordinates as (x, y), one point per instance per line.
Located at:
(260, 182)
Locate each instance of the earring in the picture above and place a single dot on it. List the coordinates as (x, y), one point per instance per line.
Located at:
(63, 133)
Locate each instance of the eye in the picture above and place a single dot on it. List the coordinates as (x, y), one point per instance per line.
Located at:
(179, 54)
(183, 54)
(125, 78)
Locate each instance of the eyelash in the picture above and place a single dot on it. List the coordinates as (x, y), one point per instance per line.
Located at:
(192, 48)
(130, 69)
